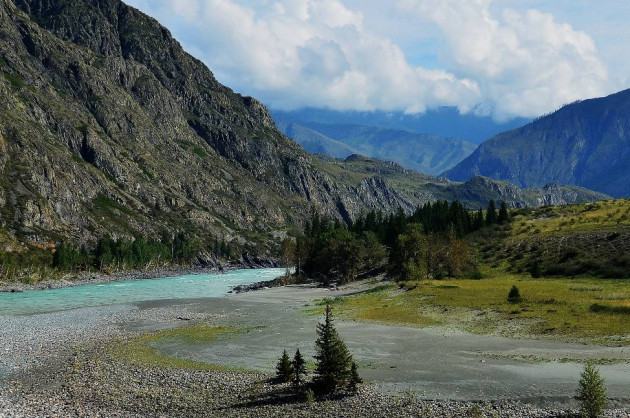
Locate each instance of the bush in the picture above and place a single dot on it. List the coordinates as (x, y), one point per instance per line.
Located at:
(515, 295)
(591, 392)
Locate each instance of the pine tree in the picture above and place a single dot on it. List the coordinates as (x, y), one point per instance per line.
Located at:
(284, 369)
(515, 295)
(504, 215)
(491, 214)
(333, 358)
(591, 393)
(355, 379)
(299, 370)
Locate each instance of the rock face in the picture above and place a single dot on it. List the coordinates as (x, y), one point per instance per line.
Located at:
(585, 143)
(108, 127)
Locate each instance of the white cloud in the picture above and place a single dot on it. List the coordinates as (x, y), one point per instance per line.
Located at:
(295, 53)
(525, 63)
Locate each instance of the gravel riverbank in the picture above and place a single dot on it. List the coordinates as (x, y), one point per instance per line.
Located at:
(60, 364)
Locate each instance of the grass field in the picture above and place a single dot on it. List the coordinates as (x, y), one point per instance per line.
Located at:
(141, 350)
(586, 310)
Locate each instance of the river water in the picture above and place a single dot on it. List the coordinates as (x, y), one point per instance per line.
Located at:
(130, 291)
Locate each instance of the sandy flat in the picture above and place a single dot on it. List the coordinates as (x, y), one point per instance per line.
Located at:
(435, 363)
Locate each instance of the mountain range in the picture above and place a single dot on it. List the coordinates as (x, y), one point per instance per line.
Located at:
(446, 122)
(426, 153)
(108, 127)
(586, 143)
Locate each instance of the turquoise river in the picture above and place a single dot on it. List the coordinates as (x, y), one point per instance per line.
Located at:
(130, 291)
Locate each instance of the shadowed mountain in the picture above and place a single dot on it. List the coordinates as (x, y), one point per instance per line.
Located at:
(585, 143)
(426, 153)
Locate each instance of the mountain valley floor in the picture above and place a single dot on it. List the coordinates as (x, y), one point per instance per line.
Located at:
(214, 357)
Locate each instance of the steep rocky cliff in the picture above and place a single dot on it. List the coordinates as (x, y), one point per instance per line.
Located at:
(585, 143)
(108, 127)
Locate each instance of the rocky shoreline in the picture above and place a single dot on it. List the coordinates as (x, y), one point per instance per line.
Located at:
(81, 278)
(93, 384)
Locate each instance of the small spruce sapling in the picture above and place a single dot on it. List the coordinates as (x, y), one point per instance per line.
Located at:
(355, 379)
(591, 392)
(515, 295)
(284, 369)
(299, 370)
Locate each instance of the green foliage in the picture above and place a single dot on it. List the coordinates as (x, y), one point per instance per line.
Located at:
(15, 81)
(126, 253)
(597, 308)
(591, 392)
(333, 359)
(355, 379)
(338, 254)
(514, 296)
(66, 257)
(504, 215)
(491, 214)
(536, 270)
(299, 370)
(417, 256)
(284, 368)
(309, 396)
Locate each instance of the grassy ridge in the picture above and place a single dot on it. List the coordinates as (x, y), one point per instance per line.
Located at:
(591, 239)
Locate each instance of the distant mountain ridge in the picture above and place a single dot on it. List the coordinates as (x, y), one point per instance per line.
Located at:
(585, 143)
(426, 153)
(446, 122)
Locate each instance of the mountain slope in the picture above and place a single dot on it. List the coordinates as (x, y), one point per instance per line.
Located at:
(430, 154)
(585, 143)
(108, 127)
(314, 142)
(389, 179)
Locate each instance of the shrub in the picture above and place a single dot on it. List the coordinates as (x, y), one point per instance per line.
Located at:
(515, 295)
(591, 392)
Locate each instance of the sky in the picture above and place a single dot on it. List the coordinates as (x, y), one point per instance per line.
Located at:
(504, 58)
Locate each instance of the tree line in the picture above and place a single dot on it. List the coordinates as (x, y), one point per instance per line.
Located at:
(427, 243)
(135, 253)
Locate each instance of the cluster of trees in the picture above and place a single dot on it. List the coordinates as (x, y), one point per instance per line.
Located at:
(417, 255)
(136, 253)
(335, 369)
(426, 244)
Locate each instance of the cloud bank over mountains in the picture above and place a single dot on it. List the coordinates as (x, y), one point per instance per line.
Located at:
(325, 53)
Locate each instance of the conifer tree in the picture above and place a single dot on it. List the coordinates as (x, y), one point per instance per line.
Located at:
(504, 215)
(284, 369)
(491, 214)
(333, 358)
(515, 295)
(355, 379)
(591, 393)
(299, 370)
